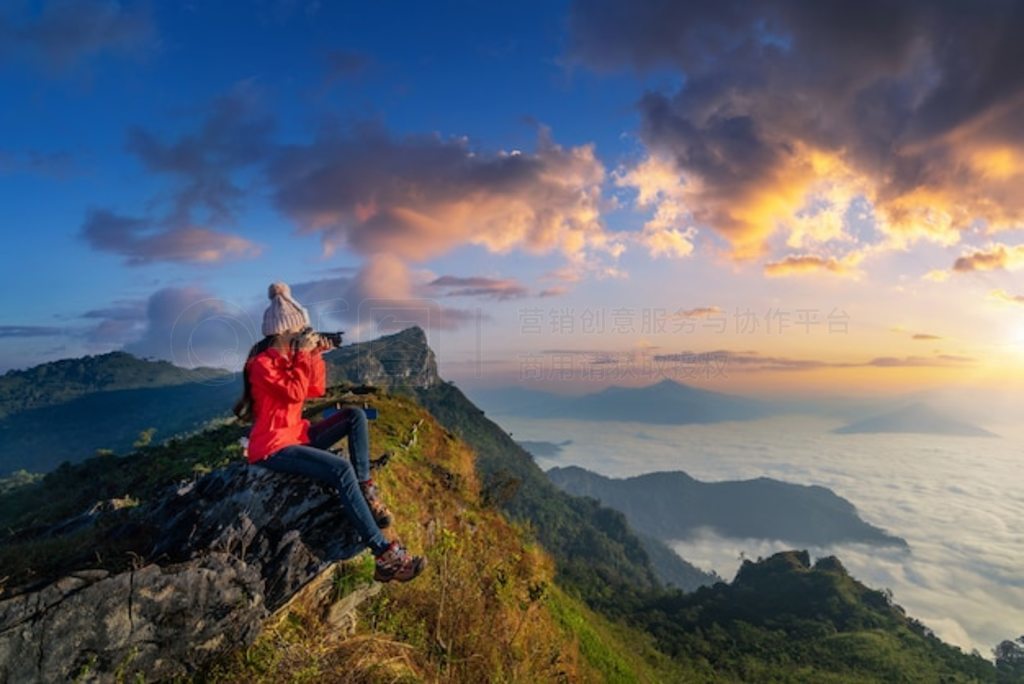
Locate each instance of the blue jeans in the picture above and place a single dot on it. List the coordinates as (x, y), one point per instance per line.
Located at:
(312, 461)
(348, 422)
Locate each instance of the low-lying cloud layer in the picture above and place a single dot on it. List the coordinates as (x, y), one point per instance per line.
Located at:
(954, 500)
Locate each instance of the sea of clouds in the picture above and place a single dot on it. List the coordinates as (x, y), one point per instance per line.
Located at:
(958, 501)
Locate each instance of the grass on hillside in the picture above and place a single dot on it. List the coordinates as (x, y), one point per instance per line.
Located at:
(485, 609)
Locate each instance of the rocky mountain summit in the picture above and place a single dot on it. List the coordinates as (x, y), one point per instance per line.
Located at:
(400, 361)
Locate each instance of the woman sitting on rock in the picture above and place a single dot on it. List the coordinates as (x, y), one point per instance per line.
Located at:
(282, 371)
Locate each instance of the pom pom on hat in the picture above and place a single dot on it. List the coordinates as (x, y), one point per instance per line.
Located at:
(278, 289)
(284, 313)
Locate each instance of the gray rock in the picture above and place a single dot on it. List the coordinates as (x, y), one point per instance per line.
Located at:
(226, 550)
(157, 621)
(402, 361)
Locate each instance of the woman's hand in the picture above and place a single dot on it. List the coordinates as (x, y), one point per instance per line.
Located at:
(309, 341)
(305, 341)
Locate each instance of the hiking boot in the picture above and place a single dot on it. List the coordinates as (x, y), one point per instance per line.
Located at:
(380, 512)
(396, 564)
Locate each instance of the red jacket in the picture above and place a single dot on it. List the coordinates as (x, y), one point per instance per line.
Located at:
(280, 383)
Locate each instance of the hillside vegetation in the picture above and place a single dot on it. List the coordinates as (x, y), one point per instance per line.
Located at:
(488, 607)
(597, 551)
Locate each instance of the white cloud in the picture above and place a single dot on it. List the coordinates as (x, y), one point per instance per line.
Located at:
(659, 187)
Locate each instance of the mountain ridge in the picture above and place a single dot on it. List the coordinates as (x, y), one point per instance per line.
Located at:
(672, 505)
(55, 382)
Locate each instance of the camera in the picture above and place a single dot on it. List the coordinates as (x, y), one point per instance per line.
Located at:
(334, 337)
(309, 338)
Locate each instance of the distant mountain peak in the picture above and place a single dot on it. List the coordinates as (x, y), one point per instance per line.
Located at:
(916, 418)
(666, 402)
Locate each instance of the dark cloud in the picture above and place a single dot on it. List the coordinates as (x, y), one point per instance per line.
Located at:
(344, 64)
(203, 165)
(62, 34)
(916, 105)
(234, 134)
(478, 286)
(925, 336)
(142, 242)
(29, 331)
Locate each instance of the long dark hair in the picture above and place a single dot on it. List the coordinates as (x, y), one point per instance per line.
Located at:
(243, 407)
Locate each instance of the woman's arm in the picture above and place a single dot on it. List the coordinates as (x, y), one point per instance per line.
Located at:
(286, 379)
(318, 375)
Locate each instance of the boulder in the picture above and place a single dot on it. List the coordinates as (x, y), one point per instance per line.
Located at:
(224, 552)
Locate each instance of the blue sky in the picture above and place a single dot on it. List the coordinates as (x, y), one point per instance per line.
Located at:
(161, 163)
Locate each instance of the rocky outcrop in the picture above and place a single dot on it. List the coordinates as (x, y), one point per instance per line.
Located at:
(229, 548)
(158, 621)
(402, 361)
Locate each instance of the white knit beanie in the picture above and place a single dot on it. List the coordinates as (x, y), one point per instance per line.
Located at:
(284, 313)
